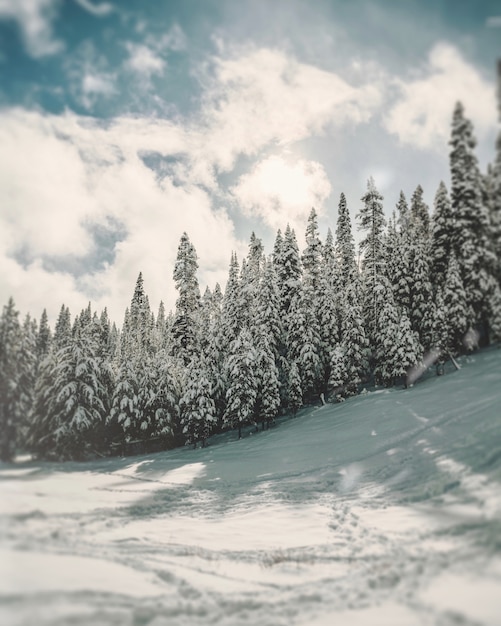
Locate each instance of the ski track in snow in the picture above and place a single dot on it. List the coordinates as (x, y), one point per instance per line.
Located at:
(383, 510)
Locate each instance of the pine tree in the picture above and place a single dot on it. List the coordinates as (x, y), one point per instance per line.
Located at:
(160, 330)
(338, 372)
(456, 309)
(27, 363)
(137, 330)
(267, 317)
(420, 215)
(44, 337)
(421, 291)
(403, 213)
(10, 340)
(252, 272)
(277, 249)
(70, 406)
(295, 394)
(329, 304)
(345, 245)
(471, 241)
(385, 336)
(185, 331)
(442, 236)
(408, 352)
(355, 344)
(242, 384)
(289, 270)
(312, 256)
(156, 399)
(303, 344)
(62, 331)
(125, 414)
(198, 411)
(397, 269)
(231, 322)
(267, 378)
(372, 222)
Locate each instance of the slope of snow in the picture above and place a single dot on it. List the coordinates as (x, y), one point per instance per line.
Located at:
(385, 509)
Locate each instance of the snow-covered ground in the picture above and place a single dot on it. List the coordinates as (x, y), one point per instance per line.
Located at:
(383, 510)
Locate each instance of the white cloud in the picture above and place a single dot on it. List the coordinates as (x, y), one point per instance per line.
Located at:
(60, 174)
(89, 75)
(144, 61)
(423, 113)
(263, 96)
(99, 10)
(281, 192)
(94, 172)
(494, 21)
(95, 85)
(34, 18)
(174, 39)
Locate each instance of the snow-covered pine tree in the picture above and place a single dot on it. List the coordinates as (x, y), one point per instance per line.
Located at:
(403, 213)
(231, 322)
(289, 270)
(10, 344)
(160, 330)
(345, 245)
(294, 391)
(185, 331)
(40, 431)
(156, 398)
(277, 249)
(455, 304)
(408, 352)
(385, 337)
(252, 271)
(44, 337)
(137, 330)
(420, 214)
(212, 352)
(125, 415)
(312, 256)
(396, 262)
(268, 321)
(268, 316)
(242, 384)
(372, 223)
(329, 304)
(303, 343)
(399, 254)
(354, 343)
(495, 314)
(442, 236)
(338, 372)
(73, 398)
(472, 243)
(267, 378)
(28, 361)
(62, 330)
(198, 411)
(495, 208)
(140, 317)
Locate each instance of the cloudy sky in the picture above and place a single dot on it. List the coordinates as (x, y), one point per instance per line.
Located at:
(124, 123)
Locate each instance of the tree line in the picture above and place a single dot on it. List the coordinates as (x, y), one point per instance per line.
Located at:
(289, 326)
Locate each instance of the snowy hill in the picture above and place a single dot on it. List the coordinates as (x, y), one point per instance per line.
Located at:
(383, 510)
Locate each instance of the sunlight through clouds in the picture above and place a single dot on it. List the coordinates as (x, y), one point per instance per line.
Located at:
(279, 191)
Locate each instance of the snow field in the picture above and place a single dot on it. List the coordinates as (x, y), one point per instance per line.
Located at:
(382, 510)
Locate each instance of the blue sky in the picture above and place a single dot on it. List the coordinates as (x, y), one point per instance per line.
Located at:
(123, 124)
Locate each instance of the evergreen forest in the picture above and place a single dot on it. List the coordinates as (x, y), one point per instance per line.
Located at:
(292, 327)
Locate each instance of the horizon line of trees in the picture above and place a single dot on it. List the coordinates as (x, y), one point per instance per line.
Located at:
(289, 326)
